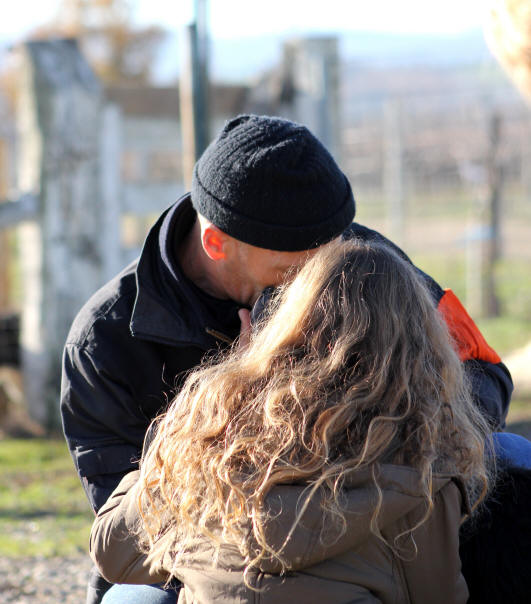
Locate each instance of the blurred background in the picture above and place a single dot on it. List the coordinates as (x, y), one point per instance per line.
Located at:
(106, 104)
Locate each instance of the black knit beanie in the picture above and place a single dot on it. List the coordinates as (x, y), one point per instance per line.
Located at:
(270, 183)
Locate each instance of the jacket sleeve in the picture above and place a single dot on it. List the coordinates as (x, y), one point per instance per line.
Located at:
(490, 379)
(114, 544)
(103, 431)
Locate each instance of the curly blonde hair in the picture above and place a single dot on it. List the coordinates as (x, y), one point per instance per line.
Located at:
(352, 368)
(508, 32)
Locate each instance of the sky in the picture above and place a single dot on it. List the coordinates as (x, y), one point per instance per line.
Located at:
(232, 23)
(244, 18)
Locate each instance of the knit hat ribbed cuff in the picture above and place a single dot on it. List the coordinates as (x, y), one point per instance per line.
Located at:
(269, 235)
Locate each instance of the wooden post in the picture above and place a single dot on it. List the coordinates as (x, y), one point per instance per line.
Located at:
(59, 121)
(394, 171)
(186, 94)
(5, 285)
(110, 154)
(194, 91)
(474, 271)
(492, 248)
(201, 77)
(311, 88)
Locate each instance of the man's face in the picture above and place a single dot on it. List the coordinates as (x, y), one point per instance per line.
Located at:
(249, 270)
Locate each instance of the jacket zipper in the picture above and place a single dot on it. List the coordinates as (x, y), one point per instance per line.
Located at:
(218, 335)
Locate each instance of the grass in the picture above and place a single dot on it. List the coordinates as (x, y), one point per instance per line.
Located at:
(505, 334)
(519, 417)
(43, 509)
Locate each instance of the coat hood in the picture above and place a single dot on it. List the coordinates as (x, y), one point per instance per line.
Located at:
(317, 536)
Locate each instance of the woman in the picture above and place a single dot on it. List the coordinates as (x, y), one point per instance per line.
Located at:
(330, 460)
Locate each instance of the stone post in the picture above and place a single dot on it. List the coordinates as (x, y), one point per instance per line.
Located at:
(62, 252)
(311, 67)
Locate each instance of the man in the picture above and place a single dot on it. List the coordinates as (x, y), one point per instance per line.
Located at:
(265, 194)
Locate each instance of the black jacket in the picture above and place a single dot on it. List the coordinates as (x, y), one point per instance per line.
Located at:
(135, 339)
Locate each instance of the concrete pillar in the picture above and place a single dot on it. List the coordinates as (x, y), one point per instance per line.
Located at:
(62, 254)
(312, 66)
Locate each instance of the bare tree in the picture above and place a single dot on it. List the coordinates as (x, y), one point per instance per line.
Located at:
(117, 51)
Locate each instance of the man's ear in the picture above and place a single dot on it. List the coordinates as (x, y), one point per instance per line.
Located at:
(214, 242)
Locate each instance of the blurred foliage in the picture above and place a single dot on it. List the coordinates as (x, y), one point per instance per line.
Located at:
(118, 51)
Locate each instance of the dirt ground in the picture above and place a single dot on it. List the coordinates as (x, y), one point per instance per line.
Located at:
(44, 580)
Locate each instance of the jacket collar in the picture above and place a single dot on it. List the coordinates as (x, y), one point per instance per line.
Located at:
(166, 308)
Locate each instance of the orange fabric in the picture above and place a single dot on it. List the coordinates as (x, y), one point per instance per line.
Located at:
(468, 339)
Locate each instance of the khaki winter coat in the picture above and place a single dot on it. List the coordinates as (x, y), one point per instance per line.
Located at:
(324, 568)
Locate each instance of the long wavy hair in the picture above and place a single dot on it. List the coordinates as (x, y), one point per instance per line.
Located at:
(351, 368)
